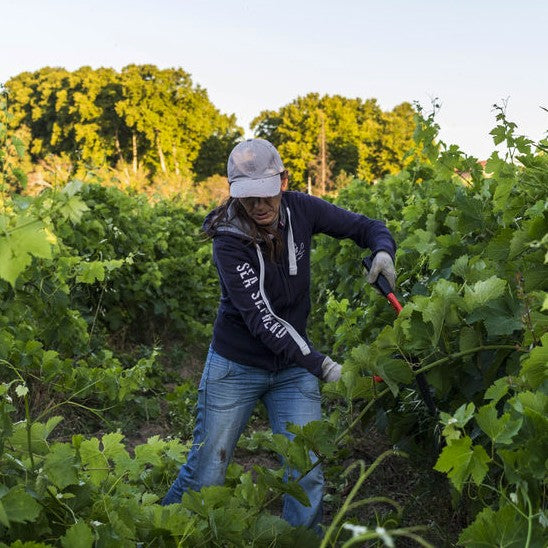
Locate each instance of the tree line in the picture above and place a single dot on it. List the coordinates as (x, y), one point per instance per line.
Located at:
(321, 137)
(143, 117)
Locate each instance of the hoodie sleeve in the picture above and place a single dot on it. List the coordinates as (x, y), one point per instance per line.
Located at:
(340, 223)
(239, 274)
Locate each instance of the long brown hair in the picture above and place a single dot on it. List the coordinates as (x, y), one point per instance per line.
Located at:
(271, 237)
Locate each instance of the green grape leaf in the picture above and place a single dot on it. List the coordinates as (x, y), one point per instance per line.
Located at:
(536, 401)
(483, 292)
(4, 516)
(451, 432)
(60, 465)
(274, 480)
(208, 498)
(421, 241)
(149, 498)
(271, 530)
(500, 430)
(227, 524)
(534, 368)
(460, 417)
(455, 423)
(78, 535)
(28, 238)
(319, 436)
(122, 525)
(89, 272)
(460, 267)
(505, 527)
(438, 308)
(499, 324)
(498, 247)
(149, 453)
(460, 461)
(31, 236)
(39, 433)
(169, 518)
(73, 187)
(532, 231)
(355, 387)
(73, 209)
(526, 461)
(113, 447)
(94, 461)
(294, 452)
(497, 390)
(19, 506)
(253, 494)
(394, 372)
(468, 339)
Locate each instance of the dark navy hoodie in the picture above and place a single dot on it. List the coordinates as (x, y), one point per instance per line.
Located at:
(264, 307)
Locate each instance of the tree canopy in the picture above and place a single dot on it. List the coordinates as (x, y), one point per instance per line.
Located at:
(142, 115)
(320, 137)
(158, 120)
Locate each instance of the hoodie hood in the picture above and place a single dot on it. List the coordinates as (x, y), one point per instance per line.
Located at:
(233, 224)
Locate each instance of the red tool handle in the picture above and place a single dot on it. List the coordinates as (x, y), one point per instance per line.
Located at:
(394, 302)
(384, 287)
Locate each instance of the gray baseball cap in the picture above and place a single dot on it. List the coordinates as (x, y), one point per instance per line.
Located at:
(254, 168)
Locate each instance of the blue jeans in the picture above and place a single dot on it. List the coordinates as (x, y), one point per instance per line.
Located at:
(227, 395)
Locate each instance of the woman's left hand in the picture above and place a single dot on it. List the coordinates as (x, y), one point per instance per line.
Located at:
(382, 264)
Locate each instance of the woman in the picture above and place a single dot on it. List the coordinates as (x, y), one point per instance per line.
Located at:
(261, 248)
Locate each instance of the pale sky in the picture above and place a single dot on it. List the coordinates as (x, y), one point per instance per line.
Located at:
(253, 55)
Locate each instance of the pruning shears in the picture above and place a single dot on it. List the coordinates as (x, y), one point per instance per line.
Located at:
(384, 287)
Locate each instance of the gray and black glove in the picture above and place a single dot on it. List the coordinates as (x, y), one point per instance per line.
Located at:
(382, 264)
(331, 371)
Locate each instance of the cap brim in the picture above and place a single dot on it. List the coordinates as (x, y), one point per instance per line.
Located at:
(256, 188)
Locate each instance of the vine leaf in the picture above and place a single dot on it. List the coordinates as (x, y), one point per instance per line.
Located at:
(60, 465)
(78, 536)
(500, 430)
(483, 291)
(504, 527)
(533, 368)
(18, 506)
(17, 247)
(460, 461)
(497, 390)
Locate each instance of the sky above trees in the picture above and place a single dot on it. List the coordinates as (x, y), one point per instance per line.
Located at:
(257, 55)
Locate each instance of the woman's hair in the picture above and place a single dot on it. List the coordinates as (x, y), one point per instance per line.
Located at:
(270, 236)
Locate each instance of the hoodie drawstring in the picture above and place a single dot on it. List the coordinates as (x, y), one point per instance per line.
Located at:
(301, 343)
(291, 247)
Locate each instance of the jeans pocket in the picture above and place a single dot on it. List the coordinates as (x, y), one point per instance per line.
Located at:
(218, 368)
(309, 387)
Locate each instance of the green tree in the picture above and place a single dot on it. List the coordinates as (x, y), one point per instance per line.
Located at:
(333, 134)
(143, 116)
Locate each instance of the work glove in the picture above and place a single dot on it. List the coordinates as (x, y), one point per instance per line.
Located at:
(382, 264)
(331, 371)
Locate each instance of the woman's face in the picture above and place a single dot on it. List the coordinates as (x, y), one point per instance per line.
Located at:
(264, 211)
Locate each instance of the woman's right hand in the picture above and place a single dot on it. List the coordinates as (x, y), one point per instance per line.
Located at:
(331, 371)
